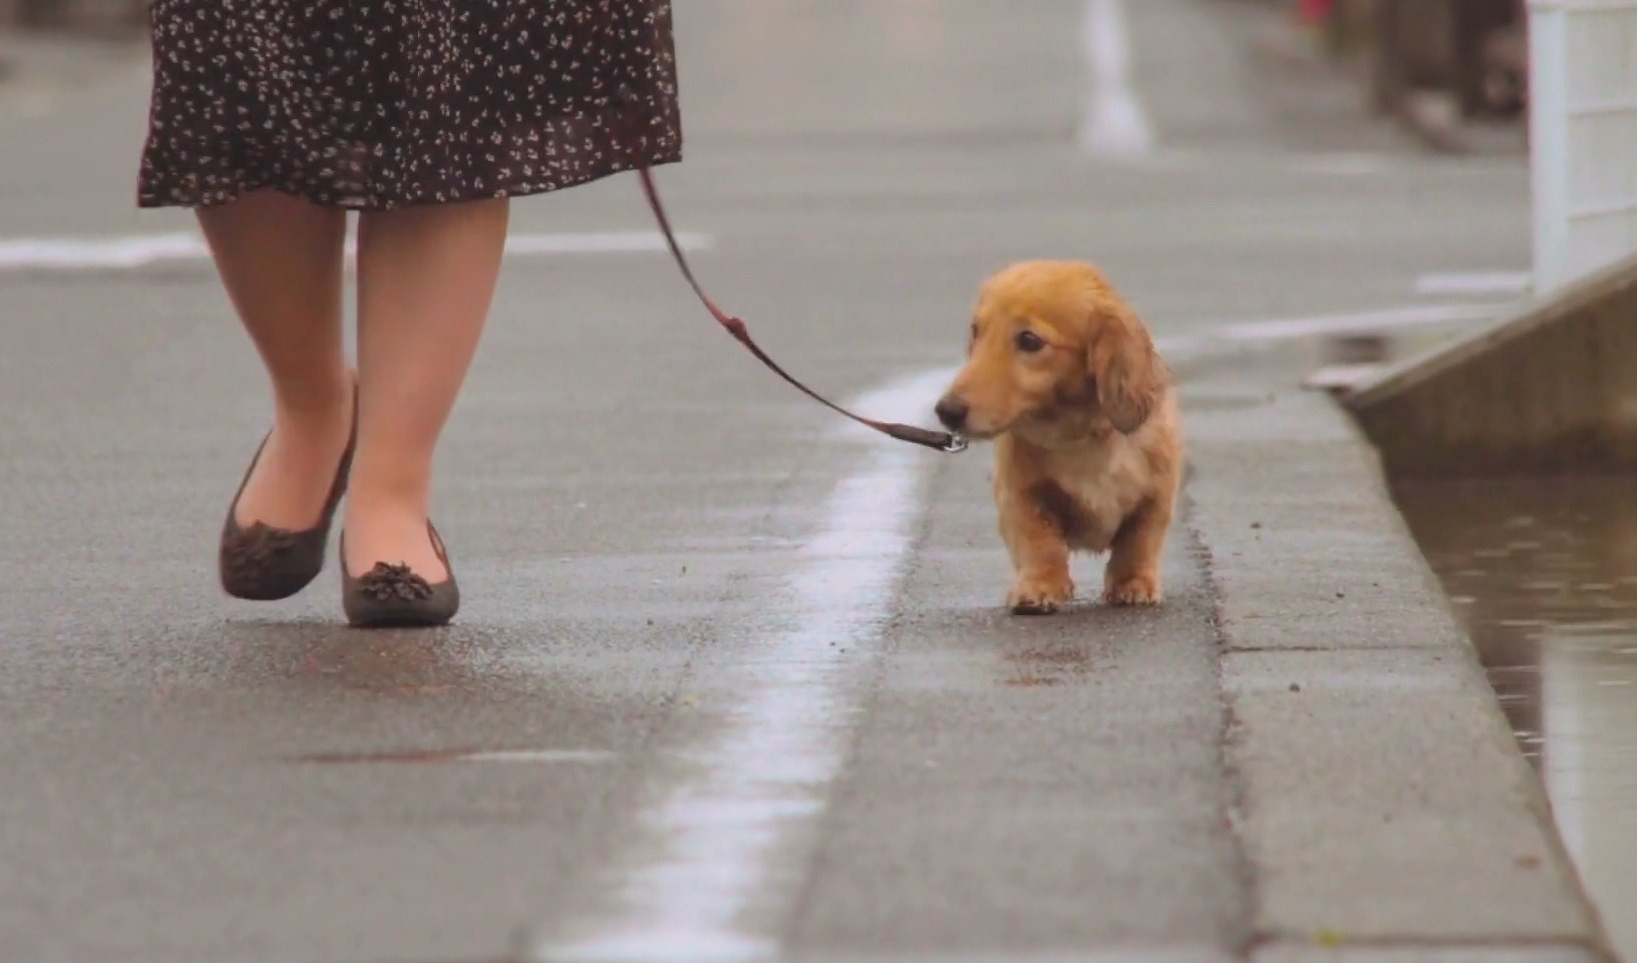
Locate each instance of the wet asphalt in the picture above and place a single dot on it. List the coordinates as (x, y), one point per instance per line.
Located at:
(632, 504)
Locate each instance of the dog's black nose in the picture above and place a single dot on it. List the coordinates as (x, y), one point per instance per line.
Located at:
(952, 412)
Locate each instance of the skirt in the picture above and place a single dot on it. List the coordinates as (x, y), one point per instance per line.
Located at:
(379, 104)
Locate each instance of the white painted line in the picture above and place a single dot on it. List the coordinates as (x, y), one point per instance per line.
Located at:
(144, 250)
(1220, 337)
(123, 252)
(1476, 282)
(1114, 123)
(908, 400)
(1364, 321)
(1339, 377)
(711, 850)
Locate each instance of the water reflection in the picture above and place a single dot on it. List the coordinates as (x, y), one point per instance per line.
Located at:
(1543, 574)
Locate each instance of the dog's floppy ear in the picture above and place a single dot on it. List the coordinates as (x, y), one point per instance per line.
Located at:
(1120, 356)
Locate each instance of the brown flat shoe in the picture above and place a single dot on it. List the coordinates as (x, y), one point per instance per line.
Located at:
(394, 596)
(262, 563)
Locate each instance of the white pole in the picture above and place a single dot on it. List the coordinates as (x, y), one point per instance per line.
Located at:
(1549, 142)
(1113, 123)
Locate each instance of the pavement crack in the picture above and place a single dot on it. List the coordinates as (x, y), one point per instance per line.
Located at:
(1233, 803)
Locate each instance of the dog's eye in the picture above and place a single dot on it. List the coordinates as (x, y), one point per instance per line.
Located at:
(1028, 342)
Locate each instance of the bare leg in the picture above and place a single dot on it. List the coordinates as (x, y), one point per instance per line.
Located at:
(280, 259)
(426, 278)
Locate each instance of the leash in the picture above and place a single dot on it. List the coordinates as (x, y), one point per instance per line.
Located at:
(940, 440)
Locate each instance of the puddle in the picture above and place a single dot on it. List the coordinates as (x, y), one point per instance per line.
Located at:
(1543, 574)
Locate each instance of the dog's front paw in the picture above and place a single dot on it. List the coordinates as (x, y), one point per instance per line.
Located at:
(1039, 596)
(1140, 589)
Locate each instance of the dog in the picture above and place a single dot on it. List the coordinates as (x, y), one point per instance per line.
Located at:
(1064, 378)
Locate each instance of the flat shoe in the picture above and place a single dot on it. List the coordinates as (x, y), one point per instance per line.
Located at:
(395, 596)
(262, 563)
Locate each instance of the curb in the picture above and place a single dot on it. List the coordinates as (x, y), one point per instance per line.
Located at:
(1382, 803)
(1475, 405)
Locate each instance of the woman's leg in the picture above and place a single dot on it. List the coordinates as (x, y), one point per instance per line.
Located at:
(426, 277)
(280, 259)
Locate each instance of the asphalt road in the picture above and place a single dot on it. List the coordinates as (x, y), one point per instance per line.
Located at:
(736, 677)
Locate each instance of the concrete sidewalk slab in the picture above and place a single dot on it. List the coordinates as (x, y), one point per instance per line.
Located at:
(1381, 797)
(1383, 773)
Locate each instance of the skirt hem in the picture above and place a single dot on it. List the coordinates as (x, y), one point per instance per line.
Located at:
(225, 192)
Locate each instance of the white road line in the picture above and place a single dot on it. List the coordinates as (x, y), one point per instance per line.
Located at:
(1339, 377)
(1113, 123)
(68, 254)
(1364, 321)
(1476, 282)
(144, 250)
(711, 850)
(1218, 337)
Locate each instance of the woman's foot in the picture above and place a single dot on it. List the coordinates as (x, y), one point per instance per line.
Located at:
(394, 534)
(386, 594)
(273, 541)
(426, 277)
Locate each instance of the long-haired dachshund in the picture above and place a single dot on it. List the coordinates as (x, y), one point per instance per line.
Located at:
(1063, 376)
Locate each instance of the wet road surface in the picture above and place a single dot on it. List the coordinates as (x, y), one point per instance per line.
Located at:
(728, 675)
(1543, 573)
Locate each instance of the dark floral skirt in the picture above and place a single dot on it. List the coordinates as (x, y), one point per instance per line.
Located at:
(377, 104)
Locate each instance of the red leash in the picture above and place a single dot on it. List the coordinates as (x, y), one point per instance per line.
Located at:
(941, 440)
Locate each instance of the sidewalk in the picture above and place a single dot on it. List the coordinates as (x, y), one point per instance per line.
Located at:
(1382, 797)
(1297, 758)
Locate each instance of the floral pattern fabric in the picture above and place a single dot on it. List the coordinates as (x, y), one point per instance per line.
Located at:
(378, 104)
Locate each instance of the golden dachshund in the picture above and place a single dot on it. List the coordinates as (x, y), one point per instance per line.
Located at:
(1063, 376)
